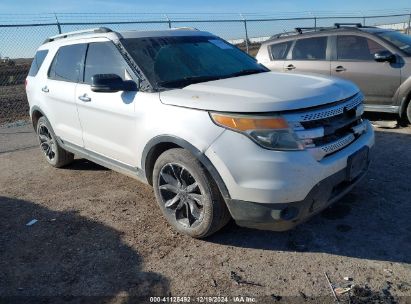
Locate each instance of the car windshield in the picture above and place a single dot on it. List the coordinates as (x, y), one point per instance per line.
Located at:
(176, 62)
(400, 40)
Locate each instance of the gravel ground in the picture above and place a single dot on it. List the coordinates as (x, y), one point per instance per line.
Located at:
(101, 234)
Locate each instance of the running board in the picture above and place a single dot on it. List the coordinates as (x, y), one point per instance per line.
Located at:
(381, 108)
(114, 165)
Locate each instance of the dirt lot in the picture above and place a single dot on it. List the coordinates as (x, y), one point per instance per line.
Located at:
(13, 103)
(101, 234)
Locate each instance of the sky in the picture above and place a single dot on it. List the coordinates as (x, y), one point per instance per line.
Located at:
(27, 39)
(195, 6)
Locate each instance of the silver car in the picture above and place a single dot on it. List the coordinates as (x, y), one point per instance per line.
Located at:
(377, 60)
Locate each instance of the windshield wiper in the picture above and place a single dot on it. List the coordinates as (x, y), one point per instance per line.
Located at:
(247, 72)
(183, 82)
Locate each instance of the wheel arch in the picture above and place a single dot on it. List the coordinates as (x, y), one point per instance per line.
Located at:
(35, 114)
(159, 144)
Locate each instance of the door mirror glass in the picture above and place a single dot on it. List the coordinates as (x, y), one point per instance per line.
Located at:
(384, 56)
(109, 83)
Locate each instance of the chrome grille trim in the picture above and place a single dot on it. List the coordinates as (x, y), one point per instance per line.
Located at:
(338, 144)
(338, 109)
(321, 151)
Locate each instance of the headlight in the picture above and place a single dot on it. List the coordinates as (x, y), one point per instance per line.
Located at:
(270, 132)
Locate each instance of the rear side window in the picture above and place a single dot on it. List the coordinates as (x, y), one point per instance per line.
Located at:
(310, 49)
(280, 50)
(103, 58)
(68, 64)
(37, 62)
(351, 47)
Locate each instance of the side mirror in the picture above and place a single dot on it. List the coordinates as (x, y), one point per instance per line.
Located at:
(110, 83)
(384, 56)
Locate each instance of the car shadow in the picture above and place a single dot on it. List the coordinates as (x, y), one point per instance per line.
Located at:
(65, 256)
(371, 222)
(83, 164)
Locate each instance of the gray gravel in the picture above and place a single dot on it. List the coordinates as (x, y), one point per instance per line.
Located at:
(100, 233)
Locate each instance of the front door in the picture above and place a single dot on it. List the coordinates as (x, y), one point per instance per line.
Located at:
(108, 119)
(354, 61)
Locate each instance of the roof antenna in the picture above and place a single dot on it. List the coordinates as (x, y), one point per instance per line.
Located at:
(58, 23)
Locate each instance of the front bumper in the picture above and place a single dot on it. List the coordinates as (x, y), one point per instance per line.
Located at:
(277, 189)
(284, 216)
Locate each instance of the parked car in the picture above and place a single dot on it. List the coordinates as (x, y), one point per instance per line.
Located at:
(215, 133)
(377, 60)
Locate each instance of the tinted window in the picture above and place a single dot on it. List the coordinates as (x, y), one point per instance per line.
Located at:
(310, 49)
(103, 58)
(37, 62)
(67, 65)
(350, 47)
(280, 50)
(175, 62)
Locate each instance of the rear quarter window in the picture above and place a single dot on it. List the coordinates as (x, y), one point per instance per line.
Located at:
(37, 62)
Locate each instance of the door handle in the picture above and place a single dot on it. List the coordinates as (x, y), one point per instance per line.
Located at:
(290, 67)
(84, 98)
(45, 89)
(340, 68)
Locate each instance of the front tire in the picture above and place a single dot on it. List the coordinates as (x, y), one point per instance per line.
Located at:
(408, 113)
(405, 118)
(187, 195)
(54, 154)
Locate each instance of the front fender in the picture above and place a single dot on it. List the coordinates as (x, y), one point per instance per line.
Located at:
(176, 141)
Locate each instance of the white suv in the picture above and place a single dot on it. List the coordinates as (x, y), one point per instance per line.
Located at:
(215, 133)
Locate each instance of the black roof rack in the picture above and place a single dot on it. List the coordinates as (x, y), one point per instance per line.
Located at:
(302, 30)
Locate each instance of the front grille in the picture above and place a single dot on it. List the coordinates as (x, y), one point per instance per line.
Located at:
(329, 111)
(328, 129)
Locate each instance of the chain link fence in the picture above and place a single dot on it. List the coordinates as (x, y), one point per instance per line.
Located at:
(20, 39)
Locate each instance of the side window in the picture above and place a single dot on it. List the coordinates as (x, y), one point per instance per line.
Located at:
(103, 58)
(37, 62)
(280, 50)
(68, 65)
(351, 47)
(310, 49)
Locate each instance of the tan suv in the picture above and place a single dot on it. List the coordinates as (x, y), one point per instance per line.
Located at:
(377, 60)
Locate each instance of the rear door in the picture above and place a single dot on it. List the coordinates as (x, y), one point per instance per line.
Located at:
(309, 55)
(59, 92)
(353, 59)
(108, 119)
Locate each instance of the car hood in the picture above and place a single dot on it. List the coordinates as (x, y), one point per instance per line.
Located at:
(263, 92)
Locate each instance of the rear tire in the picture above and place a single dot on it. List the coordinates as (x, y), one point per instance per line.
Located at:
(187, 195)
(53, 153)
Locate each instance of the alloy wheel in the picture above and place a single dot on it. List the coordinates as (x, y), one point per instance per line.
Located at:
(181, 195)
(47, 142)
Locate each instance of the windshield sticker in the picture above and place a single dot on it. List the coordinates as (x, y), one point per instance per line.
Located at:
(221, 44)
